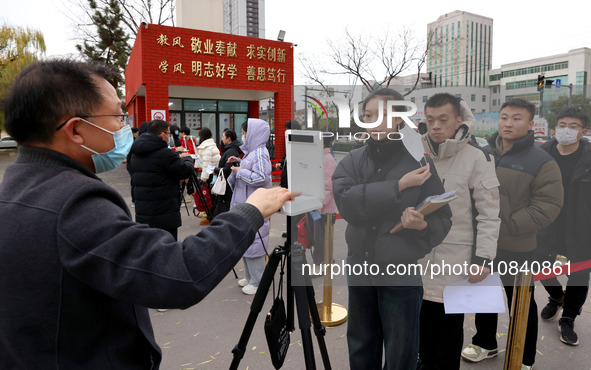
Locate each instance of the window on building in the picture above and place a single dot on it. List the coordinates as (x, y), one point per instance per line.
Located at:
(412, 99)
(459, 96)
(473, 97)
(494, 102)
(484, 98)
(424, 99)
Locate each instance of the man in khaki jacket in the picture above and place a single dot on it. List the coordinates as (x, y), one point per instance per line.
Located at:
(462, 165)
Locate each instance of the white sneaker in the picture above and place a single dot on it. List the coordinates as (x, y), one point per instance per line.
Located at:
(249, 289)
(243, 282)
(475, 353)
(162, 309)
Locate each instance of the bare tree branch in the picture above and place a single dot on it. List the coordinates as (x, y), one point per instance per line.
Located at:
(373, 62)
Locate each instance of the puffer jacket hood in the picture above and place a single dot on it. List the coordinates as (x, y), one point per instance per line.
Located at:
(257, 135)
(147, 143)
(449, 147)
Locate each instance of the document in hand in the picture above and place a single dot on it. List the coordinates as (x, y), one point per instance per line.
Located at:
(483, 297)
(430, 205)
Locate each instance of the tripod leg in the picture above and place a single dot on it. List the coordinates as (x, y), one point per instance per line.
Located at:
(301, 301)
(255, 307)
(319, 328)
(306, 304)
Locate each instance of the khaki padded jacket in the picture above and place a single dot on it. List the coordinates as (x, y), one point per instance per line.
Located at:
(475, 213)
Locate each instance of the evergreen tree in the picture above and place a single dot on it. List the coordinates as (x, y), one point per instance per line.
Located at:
(110, 44)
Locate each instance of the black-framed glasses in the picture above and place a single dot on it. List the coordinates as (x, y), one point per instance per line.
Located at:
(122, 117)
(573, 126)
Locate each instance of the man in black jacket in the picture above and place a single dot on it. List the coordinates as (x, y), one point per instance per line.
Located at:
(157, 173)
(76, 273)
(569, 234)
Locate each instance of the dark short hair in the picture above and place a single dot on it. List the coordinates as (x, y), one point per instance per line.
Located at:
(144, 127)
(157, 126)
(49, 91)
(245, 126)
(385, 94)
(230, 134)
(441, 99)
(293, 125)
(135, 129)
(573, 112)
(186, 130)
(204, 134)
(521, 103)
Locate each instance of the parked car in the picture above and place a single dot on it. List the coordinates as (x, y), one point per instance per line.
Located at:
(7, 142)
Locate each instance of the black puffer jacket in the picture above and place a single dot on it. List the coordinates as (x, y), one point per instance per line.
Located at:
(365, 186)
(574, 241)
(156, 172)
(222, 203)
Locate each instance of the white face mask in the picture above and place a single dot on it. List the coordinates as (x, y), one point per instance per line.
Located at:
(566, 136)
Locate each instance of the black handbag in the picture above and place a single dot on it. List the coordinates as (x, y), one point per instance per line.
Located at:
(190, 187)
(276, 329)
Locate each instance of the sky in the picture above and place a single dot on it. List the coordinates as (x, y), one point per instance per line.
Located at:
(521, 31)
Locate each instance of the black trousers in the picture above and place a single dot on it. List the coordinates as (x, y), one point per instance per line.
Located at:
(486, 323)
(442, 337)
(575, 295)
(173, 232)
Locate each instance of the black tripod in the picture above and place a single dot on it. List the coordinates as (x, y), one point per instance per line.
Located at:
(304, 300)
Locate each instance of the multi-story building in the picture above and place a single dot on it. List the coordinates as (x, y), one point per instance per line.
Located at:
(235, 17)
(520, 79)
(245, 17)
(460, 49)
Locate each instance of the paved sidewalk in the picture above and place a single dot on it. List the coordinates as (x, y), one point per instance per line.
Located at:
(203, 336)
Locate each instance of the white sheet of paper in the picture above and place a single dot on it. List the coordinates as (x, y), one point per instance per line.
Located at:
(483, 297)
(209, 169)
(412, 142)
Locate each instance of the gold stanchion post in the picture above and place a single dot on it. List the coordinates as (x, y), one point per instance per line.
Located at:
(331, 314)
(518, 323)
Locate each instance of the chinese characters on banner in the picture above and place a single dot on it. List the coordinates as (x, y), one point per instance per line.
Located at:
(203, 67)
(540, 126)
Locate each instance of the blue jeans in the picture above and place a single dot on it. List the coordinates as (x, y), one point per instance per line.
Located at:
(384, 317)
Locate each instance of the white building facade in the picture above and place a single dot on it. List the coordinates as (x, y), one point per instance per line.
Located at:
(460, 52)
(519, 79)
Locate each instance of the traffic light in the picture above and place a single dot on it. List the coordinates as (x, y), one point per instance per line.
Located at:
(540, 82)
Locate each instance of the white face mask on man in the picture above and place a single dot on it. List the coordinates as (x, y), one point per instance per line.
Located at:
(566, 136)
